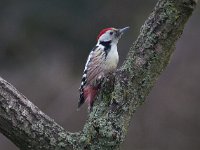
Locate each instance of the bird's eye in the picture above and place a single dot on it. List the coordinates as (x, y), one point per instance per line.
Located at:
(111, 33)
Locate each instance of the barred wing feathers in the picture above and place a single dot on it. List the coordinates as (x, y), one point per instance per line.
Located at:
(92, 76)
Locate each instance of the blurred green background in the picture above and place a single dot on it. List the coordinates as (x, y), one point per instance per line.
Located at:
(43, 50)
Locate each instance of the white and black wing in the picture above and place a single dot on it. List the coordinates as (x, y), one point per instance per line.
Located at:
(93, 72)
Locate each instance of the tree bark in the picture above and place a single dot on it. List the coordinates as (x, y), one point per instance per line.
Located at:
(29, 128)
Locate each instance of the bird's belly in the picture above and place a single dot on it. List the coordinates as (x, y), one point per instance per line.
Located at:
(111, 61)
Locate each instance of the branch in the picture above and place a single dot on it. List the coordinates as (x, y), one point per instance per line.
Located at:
(26, 126)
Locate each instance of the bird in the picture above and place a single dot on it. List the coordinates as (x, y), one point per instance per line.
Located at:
(102, 60)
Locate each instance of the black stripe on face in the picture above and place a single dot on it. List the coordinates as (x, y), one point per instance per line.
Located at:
(107, 46)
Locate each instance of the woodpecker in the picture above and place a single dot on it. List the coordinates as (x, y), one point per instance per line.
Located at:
(102, 60)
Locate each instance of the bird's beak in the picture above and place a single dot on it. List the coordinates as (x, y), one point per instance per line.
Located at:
(122, 31)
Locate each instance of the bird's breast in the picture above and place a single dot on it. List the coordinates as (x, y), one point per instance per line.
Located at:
(112, 59)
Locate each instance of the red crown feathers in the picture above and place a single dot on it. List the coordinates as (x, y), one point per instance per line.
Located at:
(102, 32)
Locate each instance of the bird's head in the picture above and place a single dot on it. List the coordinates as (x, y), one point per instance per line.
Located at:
(111, 34)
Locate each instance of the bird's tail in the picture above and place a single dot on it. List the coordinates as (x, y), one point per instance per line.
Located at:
(88, 94)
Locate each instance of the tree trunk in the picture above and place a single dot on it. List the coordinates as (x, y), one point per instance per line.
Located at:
(29, 128)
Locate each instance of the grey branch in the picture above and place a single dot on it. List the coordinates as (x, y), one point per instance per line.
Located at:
(29, 128)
